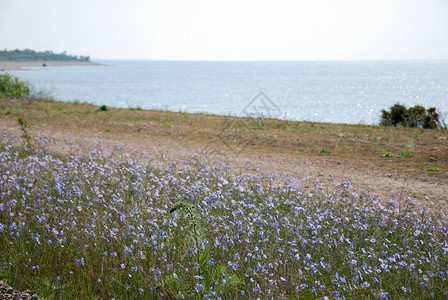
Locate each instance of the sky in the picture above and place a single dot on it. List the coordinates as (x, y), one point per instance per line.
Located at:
(229, 30)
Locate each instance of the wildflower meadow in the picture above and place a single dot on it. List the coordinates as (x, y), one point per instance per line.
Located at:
(99, 223)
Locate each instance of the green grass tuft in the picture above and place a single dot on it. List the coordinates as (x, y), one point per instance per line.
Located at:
(325, 150)
(405, 153)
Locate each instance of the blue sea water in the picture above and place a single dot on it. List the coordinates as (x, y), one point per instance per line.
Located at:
(343, 92)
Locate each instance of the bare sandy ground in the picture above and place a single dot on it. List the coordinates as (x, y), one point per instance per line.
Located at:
(19, 65)
(373, 179)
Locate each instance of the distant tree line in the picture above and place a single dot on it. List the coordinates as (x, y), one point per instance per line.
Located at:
(29, 54)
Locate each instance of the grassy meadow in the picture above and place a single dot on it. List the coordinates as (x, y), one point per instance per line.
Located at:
(92, 222)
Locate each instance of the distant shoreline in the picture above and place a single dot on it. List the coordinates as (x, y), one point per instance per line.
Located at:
(20, 65)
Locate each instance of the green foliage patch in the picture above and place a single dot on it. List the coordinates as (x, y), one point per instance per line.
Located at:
(405, 153)
(12, 87)
(325, 150)
(416, 116)
(103, 108)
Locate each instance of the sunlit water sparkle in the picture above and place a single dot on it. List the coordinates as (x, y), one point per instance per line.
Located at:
(342, 92)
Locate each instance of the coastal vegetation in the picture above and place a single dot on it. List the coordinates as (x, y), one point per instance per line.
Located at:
(30, 55)
(12, 87)
(416, 116)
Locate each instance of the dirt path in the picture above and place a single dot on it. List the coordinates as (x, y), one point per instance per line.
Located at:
(388, 185)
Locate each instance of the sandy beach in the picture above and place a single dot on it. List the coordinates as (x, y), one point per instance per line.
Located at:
(18, 65)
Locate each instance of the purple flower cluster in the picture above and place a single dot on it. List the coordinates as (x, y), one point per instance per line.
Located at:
(98, 223)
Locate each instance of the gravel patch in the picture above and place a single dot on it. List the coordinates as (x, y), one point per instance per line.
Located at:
(7, 292)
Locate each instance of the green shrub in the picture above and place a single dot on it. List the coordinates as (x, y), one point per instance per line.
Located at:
(103, 108)
(12, 87)
(417, 116)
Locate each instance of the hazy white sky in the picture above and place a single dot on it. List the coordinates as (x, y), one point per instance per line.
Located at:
(229, 30)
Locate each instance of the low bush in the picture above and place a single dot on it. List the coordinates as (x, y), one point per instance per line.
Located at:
(417, 116)
(12, 87)
(103, 108)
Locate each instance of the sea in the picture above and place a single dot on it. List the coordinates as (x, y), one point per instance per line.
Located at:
(351, 92)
